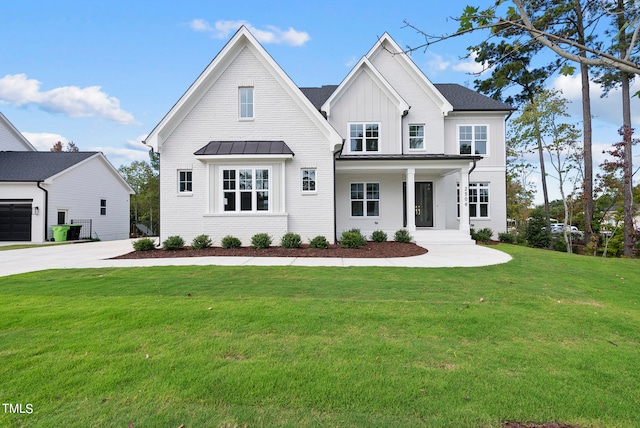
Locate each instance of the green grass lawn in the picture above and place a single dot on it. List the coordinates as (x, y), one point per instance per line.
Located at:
(546, 337)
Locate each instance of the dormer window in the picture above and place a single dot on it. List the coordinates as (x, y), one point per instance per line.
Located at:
(364, 137)
(246, 102)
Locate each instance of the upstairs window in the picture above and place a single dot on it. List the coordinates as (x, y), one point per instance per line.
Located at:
(246, 103)
(416, 137)
(309, 180)
(364, 137)
(473, 139)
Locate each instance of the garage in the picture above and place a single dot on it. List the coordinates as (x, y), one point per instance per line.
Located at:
(15, 220)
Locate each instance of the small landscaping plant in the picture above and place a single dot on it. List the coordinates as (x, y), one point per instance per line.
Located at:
(144, 244)
(230, 242)
(200, 242)
(319, 242)
(402, 235)
(482, 235)
(508, 238)
(379, 236)
(260, 241)
(290, 240)
(352, 239)
(173, 243)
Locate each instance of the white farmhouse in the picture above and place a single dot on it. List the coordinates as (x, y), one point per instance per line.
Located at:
(246, 151)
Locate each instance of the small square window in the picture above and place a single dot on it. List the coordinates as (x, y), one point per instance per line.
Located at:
(309, 180)
(185, 181)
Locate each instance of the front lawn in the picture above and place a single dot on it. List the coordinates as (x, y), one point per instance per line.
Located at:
(546, 337)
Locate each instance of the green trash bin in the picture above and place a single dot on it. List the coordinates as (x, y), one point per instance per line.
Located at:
(60, 232)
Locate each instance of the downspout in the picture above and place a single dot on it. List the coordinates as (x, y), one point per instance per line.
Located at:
(46, 208)
(469, 180)
(335, 201)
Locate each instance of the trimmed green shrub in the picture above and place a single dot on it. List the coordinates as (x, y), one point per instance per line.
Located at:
(536, 233)
(352, 239)
(482, 235)
(319, 242)
(230, 242)
(379, 236)
(402, 235)
(144, 244)
(290, 240)
(173, 243)
(260, 241)
(200, 242)
(508, 238)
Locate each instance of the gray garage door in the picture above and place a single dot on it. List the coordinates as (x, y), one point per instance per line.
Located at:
(15, 221)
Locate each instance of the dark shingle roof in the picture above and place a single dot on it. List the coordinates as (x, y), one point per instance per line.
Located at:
(461, 98)
(37, 166)
(465, 99)
(245, 148)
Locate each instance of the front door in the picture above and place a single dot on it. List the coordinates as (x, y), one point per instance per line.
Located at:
(424, 204)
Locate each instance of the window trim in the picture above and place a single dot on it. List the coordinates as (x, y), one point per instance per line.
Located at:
(365, 199)
(241, 89)
(364, 137)
(423, 138)
(475, 187)
(473, 138)
(254, 189)
(186, 181)
(315, 181)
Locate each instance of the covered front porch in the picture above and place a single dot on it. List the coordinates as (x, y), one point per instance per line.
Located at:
(425, 194)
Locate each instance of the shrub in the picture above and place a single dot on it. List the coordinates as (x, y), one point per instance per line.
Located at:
(290, 240)
(319, 242)
(352, 239)
(230, 242)
(402, 235)
(200, 242)
(379, 236)
(260, 241)
(144, 244)
(482, 235)
(173, 243)
(509, 238)
(536, 233)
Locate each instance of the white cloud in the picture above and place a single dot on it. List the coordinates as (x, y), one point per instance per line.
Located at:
(470, 65)
(437, 62)
(18, 89)
(44, 141)
(271, 34)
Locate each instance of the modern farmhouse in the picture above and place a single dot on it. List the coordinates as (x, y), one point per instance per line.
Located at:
(246, 151)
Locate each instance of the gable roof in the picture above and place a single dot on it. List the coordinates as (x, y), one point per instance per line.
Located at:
(43, 166)
(365, 66)
(17, 134)
(241, 39)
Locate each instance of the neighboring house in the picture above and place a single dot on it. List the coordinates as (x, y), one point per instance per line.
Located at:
(246, 151)
(42, 189)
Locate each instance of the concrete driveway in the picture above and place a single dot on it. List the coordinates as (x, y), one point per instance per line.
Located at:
(98, 254)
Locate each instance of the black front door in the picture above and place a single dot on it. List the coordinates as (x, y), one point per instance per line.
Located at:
(424, 204)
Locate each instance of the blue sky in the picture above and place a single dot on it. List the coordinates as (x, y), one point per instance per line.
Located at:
(103, 74)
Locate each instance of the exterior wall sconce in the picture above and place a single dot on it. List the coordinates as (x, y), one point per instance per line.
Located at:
(36, 210)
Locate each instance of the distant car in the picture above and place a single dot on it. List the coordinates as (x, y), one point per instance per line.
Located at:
(560, 228)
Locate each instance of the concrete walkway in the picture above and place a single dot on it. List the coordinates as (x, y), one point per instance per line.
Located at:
(97, 255)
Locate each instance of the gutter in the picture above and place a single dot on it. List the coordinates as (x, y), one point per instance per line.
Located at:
(46, 208)
(335, 208)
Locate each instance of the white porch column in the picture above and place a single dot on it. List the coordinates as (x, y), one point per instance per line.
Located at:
(464, 225)
(411, 199)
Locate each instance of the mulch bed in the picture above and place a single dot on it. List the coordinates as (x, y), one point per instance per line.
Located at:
(369, 250)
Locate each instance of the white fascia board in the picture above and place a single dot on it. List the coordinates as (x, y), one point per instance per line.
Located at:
(17, 133)
(104, 161)
(408, 64)
(365, 66)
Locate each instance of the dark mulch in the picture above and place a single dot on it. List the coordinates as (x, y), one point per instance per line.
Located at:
(370, 250)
